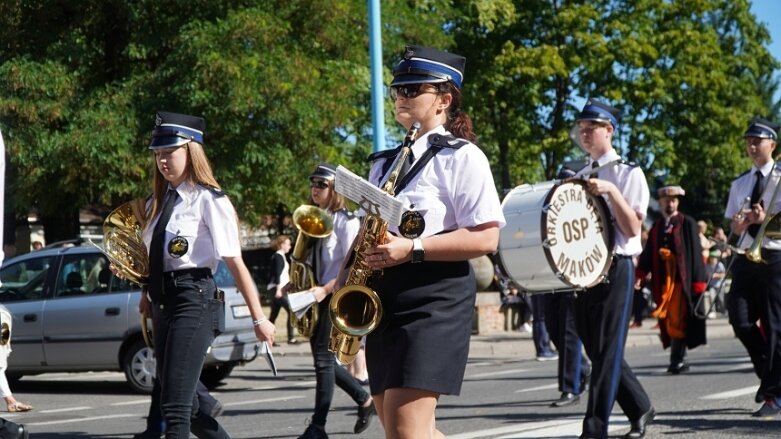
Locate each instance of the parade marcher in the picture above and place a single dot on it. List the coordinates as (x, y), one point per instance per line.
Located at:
(428, 288)
(191, 224)
(327, 258)
(673, 257)
(755, 293)
(280, 277)
(8, 429)
(602, 312)
(155, 426)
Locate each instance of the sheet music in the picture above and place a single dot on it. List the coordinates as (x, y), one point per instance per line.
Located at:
(370, 198)
(265, 350)
(300, 302)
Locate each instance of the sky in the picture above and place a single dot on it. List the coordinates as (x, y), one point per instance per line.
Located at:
(769, 12)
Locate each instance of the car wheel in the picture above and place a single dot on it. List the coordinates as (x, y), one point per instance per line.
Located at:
(139, 367)
(212, 375)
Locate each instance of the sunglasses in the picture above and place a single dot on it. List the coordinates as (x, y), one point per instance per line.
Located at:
(409, 91)
(320, 184)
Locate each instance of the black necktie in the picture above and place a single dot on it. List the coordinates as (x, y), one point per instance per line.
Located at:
(156, 247)
(594, 165)
(756, 195)
(405, 167)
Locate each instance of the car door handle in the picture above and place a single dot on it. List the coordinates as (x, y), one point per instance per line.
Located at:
(112, 311)
(31, 317)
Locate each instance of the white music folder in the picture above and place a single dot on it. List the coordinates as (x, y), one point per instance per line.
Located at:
(265, 350)
(300, 302)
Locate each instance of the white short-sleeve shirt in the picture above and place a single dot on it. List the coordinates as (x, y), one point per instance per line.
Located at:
(205, 218)
(454, 190)
(741, 188)
(335, 247)
(630, 181)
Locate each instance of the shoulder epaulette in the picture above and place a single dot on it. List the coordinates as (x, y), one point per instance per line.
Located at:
(384, 154)
(631, 164)
(348, 213)
(216, 191)
(446, 141)
(741, 175)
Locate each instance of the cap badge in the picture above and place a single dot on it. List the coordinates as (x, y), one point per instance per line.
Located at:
(158, 120)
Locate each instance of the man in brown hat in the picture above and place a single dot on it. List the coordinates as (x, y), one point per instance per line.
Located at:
(673, 257)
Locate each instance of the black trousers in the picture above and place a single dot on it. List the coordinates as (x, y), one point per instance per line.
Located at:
(327, 372)
(154, 420)
(186, 320)
(276, 306)
(602, 316)
(8, 429)
(560, 320)
(756, 295)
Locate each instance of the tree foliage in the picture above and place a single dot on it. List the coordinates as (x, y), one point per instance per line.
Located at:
(285, 84)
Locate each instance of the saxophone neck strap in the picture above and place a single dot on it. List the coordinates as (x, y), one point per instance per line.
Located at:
(437, 143)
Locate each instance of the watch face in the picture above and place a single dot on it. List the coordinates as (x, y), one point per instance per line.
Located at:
(412, 224)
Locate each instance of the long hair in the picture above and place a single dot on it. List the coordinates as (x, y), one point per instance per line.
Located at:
(458, 122)
(198, 171)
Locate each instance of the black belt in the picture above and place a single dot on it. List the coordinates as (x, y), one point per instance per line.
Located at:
(197, 273)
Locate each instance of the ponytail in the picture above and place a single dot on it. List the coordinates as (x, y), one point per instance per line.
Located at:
(458, 122)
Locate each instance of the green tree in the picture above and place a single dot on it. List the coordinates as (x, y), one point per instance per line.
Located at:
(685, 74)
(282, 85)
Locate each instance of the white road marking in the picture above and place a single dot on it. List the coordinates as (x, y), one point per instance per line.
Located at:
(94, 418)
(534, 389)
(732, 393)
(556, 428)
(497, 373)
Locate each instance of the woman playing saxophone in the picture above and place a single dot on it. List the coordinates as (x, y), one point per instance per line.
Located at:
(427, 287)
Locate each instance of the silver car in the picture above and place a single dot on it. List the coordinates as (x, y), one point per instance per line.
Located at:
(71, 314)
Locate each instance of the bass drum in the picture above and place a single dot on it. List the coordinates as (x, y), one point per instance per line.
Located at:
(558, 236)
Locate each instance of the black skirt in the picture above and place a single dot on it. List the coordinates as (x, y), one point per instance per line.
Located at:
(422, 341)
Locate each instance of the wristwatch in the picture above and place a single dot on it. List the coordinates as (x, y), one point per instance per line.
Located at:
(418, 254)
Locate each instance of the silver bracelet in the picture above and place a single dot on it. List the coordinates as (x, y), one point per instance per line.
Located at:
(258, 321)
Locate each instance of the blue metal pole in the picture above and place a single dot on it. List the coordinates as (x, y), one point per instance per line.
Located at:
(375, 60)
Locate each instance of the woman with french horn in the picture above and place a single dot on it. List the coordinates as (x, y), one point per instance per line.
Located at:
(427, 288)
(755, 294)
(327, 257)
(191, 224)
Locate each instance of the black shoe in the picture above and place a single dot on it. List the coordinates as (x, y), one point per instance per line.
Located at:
(638, 427)
(678, 368)
(759, 398)
(365, 415)
(22, 433)
(313, 432)
(217, 410)
(769, 409)
(146, 434)
(565, 400)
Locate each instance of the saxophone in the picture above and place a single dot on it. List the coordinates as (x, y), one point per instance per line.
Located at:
(312, 223)
(355, 309)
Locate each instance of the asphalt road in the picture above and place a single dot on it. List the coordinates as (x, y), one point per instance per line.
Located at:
(504, 396)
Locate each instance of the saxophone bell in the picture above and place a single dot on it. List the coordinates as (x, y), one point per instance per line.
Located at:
(312, 223)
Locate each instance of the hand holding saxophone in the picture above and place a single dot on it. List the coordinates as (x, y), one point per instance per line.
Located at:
(394, 251)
